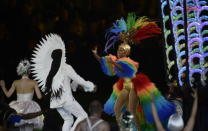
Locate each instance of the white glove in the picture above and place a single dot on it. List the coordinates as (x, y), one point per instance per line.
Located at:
(89, 87)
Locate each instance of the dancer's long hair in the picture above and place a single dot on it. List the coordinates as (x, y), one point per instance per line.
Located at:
(56, 56)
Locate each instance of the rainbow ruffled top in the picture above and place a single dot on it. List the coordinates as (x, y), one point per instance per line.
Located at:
(128, 66)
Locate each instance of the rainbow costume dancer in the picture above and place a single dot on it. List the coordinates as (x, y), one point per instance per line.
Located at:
(132, 91)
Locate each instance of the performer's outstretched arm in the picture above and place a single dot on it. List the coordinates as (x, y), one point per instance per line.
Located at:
(155, 116)
(110, 60)
(88, 86)
(11, 90)
(94, 51)
(191, 121)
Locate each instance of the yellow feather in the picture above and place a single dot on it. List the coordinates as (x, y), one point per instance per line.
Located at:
(140, 22)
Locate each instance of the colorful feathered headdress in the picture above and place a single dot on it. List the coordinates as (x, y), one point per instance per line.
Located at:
(131, 31)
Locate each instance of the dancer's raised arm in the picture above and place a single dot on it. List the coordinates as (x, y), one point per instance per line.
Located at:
(191, 121)
(94, 51)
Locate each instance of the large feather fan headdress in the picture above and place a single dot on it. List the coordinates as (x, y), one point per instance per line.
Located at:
(42, 59)
(132, 30)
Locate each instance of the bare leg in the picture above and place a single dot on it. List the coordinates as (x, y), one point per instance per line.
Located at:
(120, 102)
(133, 103)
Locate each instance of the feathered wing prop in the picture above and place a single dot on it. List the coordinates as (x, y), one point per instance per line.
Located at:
(144, 87)
(42, 60)
(109, 105)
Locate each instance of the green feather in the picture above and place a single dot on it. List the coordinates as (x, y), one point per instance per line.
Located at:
(131, 20)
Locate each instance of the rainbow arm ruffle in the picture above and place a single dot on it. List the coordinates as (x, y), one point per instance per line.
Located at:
(107, 67)
(128, 68)
(144, 87)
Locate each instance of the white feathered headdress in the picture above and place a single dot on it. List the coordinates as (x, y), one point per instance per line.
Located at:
(42, 58)
(23, 67)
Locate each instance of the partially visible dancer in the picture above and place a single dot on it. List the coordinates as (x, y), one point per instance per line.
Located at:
(56, 76)
(175, 122)
(25, 88)
(94, 122)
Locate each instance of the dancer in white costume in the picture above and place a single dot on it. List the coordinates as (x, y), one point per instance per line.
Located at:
(24, 104)
(57, 78)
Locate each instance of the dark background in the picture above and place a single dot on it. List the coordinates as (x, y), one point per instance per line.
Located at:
(81, 24)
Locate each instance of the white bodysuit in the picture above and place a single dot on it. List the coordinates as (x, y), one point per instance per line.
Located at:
(66, 104)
